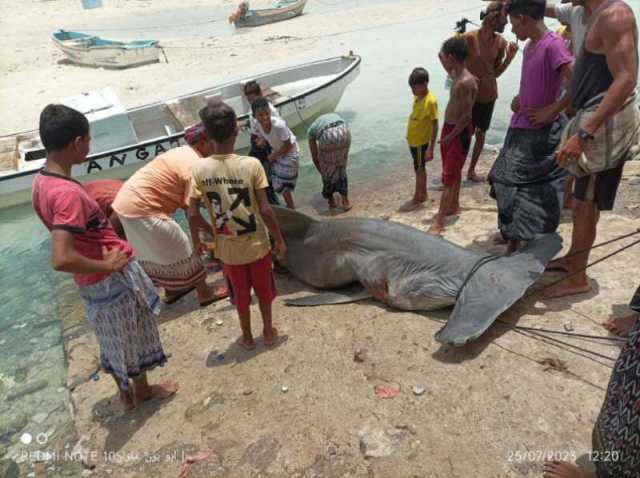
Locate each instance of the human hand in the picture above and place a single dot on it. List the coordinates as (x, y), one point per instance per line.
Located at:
(260, 143)
(570, 151)
(515, 104)
(512, 50)
(445, 140)
(429, 156)
(541, 116)
(280, 249)
(271, 158)
(114, 258)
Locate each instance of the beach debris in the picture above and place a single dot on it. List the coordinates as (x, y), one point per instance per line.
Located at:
(418, 390)
(284, 389)
(569, 327)
(95, 376)
(360, 355)
(375, 443)
(219, 322)
(247, 392)
(385, 391)
(206, 401)
(550, 363)
(286, 38)
(27, 389)
(220, 357)
(191, 459)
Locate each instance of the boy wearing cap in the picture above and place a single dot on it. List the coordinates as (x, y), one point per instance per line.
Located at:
(145, 206)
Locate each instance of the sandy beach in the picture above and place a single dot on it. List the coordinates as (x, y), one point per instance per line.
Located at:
(307, 407)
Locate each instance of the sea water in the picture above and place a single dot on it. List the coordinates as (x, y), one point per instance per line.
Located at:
(33, 298)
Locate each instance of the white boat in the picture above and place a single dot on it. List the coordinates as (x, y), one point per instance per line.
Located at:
(284, 10)
(124, 139)
(91, 50)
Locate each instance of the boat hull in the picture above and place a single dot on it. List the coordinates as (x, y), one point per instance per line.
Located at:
(256, 18)
(299, 110)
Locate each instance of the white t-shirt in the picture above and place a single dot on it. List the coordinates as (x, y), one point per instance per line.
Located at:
(253, 121)
(567, 14)
(279, 134)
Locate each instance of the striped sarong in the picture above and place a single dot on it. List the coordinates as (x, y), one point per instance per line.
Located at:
(121, 309)
(333, 152)
(164, 252)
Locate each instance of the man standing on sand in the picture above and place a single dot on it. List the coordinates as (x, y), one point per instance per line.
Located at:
(455, 138)
(525, 180)
(489, 57)
(606, 71)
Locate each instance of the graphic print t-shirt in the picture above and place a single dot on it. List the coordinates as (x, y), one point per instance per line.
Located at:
(228, 185)
(62, 203)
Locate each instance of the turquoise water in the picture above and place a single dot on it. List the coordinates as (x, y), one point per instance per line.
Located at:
(33, 297)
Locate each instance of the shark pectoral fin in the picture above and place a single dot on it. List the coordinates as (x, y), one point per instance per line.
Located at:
(353, 293)
(494, 287)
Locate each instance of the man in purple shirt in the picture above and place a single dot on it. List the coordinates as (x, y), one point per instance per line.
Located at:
(525, 180)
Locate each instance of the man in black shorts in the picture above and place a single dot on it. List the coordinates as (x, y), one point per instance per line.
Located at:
(607, 69)
(489, 56)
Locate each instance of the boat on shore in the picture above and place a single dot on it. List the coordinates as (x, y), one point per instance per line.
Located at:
(283, 10)
(91, 50)
(123, 139)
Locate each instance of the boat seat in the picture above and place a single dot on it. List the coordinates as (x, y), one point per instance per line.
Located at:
(186, 110)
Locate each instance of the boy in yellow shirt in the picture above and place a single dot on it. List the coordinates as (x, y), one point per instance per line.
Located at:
(422, 131)
(234, 189)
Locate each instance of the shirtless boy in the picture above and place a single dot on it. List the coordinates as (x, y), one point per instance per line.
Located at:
(457, 130)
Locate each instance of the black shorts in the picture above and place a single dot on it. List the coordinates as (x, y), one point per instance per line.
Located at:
(418, 153)
(605, 188)
(481, 115)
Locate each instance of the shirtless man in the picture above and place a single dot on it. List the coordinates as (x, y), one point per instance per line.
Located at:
(456, 133)
(489, 57)
(608, 64)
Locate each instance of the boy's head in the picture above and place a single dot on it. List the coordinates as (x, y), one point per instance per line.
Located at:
(220, 122)
(419, 82)
(196, 137)
(453, 53)
(65, 130)
(524, 16)
(494, 17)
(252, 91)
(262, 112)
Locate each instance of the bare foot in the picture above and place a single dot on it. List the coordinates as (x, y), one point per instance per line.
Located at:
(453, 212)
(621, 326)
(270, 337)
(560, 264)
(436, 228)
(247, 344)
(473, 177)
(159, 392)
(346, 205)
(410, 206)
(499, 240)
(558, 469)
(566, 288)
(127, 400)
(217, 292)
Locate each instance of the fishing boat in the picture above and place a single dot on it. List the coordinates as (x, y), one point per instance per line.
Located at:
(91, 50)
(124, 139)
(281, 10)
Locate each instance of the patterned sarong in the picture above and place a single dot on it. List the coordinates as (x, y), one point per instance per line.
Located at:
(527, 183)
(121, 309)
(284, 172)
(333, 152)
(616, 435)
(165, 253)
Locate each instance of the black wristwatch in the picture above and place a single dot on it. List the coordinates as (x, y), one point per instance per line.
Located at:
(585, 136)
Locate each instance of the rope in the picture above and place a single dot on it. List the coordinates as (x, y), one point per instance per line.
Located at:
(482, 261)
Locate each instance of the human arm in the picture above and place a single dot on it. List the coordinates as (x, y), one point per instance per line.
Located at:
(505, 57)
(271, 222)
(434, 138)
(313, 149)
(546, 114)
(286, 147)
(65, 258)
(114, 219)
(196, 221)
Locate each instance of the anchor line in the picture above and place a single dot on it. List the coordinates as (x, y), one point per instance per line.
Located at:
(479, 263)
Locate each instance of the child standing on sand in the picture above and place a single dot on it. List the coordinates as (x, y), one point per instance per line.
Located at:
(234, 190)
(120, 300)
(285, 154)
(422, 131)
(455, 139)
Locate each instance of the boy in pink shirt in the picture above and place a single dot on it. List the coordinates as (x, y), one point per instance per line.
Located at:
(120, 300)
